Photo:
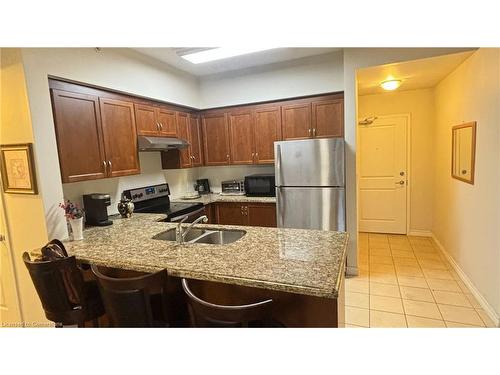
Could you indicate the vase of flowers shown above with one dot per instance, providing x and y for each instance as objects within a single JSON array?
[{"x": 74, "y": 215}]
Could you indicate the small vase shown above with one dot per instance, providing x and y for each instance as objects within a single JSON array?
[{"x": 77, "y": 228}]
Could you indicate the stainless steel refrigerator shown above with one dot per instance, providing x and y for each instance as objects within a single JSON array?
[{"x": 310, "y": 184}]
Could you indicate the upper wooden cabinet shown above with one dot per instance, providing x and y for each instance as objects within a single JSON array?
[
  {"x": 195, "y": 141},
  {"x": 145, "y": 118},
  {"x": 241, "y": 137},
  {"x": 319, "y": 117},
  {"x": 167, "y": 122},
  {"x": 215, "y": 138},
  {"x": 296, "y": 121},
  {"x": 267, "y": 130},
  {"x": 120, "y": 137},
  {"x": 328, "y": 118},
  {"x": 79, "y": 136},
  {"x": 155, "y": 121},
  {"x": 183, "y": 133},
  {"x": 96, "y": 137}
]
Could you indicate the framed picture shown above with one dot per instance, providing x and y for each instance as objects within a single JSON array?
[{"x": 18, "y": 169}]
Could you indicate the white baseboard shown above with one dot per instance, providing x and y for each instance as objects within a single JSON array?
[
  {"x": 467, "y": 281},
  {"x": 420, "y": 233}
]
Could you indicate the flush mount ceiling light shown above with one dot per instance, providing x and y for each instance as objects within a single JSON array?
[
  {"x": 205, "y": 55},
  {"x": 390, "y": 84}
]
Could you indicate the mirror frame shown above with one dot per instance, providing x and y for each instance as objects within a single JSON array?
[{"x": 472, "y": 125}]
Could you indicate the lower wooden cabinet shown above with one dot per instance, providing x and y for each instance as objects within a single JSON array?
[{"x": 251, "y": 214}]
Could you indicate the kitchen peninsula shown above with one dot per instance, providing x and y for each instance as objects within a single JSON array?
[{"x": 301, "y": 270}]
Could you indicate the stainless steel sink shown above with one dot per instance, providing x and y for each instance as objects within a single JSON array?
[
  {"x": 221, "y": 237},
  {"x": 169, "y": 235},
  {"x": 205, "y": 235}
]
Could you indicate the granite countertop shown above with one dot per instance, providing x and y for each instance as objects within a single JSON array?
[
  {"x": 291, "y": 260},
  {"x": 217, "y": 197}
]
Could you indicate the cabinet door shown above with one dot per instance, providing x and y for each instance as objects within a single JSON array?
[
  {"x": 79, "y": 136},
  {"x": 231, "y": 214},
  {"x": 267, "y": 130},
  {"x": 145, "y": 119},
  {"x": 195, "y": 137},
  {"x": 167, "y": 120},
  {"x": 183, "y": 133},
  {"x": 120, "y": 137},
  {"x": 241, "y": 143},
  {"x": 296, "y": 121},
  {"x": 328, "y": 118},
  {"x": 215, "y": 139},
  {"x": 261, "y": 214}
]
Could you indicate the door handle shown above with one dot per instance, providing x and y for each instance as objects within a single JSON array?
[
  {"x": 400, "y": 182},
  {"x": 278, "y": 162}
]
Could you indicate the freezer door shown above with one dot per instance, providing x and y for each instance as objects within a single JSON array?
[
  {"x": 311, "y": 208},
  {"x": 310, "y": 162}
]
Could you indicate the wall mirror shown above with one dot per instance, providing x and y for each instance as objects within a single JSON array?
[{"x": 463, "y": 152}]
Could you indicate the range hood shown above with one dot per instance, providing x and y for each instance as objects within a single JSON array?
[{"x": 160, "y": 143}]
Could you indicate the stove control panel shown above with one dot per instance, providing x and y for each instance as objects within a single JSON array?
[{"x": 147, "y": 193}]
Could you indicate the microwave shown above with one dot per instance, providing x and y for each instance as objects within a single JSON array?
[{"x": 260, "y": 185}]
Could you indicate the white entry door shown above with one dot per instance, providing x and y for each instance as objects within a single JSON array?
[
  {"x": 383, "y": 175},
  {"x": 9, "y": 303}
]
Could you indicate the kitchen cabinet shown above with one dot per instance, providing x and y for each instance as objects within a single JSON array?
[
  {"x": 195, "y": 147},
  {"x": 296, "y": 121},
  {"x": 252, "y": 214},
  {"x": 167, "y": 121},
  {"x": 155, "y": 121},
  {"x": 96, "y": 137},
  {"x": 80, "y": 142},
  {"x": 261, "y": 214},
  {"x": 215, "y": 138},
  {"x": 120, "y": 137},
  {"x": 241, "y": 137},
  {"x": 267, "y": 130},
  {"x": 188, "y": 128},
  {"x": 328, "y": 118},
  {"x": 183, "y": 133}
]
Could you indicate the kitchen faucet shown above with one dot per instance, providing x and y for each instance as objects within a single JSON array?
[{"x": 180, "y": 234}]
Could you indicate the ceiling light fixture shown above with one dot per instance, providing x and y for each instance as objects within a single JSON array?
[
  {"x": 218, "y": 53},
  {"x": 390, "y": 84}
]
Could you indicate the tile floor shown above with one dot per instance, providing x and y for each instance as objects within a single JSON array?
[{"x": 405, "y": 281}]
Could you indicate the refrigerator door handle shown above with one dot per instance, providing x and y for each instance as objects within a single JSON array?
[
  {"x": 280, "y": 203},
  {"x": 278, "y": 163}
]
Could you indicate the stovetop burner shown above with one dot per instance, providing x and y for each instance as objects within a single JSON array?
[{"x": 155, "y": 199}]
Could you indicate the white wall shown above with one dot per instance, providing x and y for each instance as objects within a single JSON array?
[
  {"x": 466, "y": 217},
  {"x": 306, "y": 76},
  {"x": 419, "y": 104},
  {"x": 117, "y": 69}
]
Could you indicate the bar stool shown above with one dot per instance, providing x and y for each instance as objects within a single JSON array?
[
  {"x": 206, "y": 314},
  {"x": 66, "y": 298},
  {"x": 134, "y": 301}
]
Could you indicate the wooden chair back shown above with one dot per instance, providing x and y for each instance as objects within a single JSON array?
[
  {"x": 60, "y": 287},
  {"x": 206, "y": 314},
  {"x": 129, "y": 301}
]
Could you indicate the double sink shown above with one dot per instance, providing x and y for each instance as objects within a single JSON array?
[{"x": 205, "y": 235}]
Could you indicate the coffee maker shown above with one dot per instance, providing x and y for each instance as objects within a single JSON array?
[
  {"x": 96, "y": 211},
  {"x": 202, "y": 186}
]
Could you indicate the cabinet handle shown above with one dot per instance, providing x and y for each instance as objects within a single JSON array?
[
  {"x": 109, "y": 164},
  {"x": 104, "y": 163},
  {"x": 310, "y": 130},
  {"x": 314, "y": 132},
  {"x": 157, "y": 126},
  {"x": 161, "y": 126}
]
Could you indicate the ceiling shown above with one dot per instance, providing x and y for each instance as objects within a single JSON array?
[
  {"x": 416, "y": 74},
  {"x": 169, "y": 56}
]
